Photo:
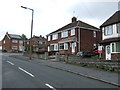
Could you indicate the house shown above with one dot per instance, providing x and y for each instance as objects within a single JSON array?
[
  {"x": 73, "y": 37},
  {"x": 38, "y": 44},
  {"x": 0, "y": 45},
  {"x": 12, "y": 43},
  {"x": 111, "y": 37}
]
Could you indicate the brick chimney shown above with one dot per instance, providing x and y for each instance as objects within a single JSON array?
[{"x": 74, "y": 19}]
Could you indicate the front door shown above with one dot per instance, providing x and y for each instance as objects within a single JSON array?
[
  {"x": 73, "y": 48},
  {"x": 108, "y": 52}
]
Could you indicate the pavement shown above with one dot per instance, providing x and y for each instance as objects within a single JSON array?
[{"x": 97, "y": 74}]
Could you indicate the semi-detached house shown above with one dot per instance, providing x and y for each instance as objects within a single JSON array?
[
  {"x": 73, "y": 37},
  {"x": 111, "y": 37}
]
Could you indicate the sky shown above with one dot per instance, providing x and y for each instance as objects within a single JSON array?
[{"x": 50, "y": 15}]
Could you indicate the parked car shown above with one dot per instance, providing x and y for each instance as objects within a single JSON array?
[{"x": 85, "y": 54}]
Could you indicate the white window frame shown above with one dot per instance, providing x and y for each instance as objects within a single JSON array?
[
  {"x": 55, "y": 47},
  {"x": 20, "y": 42},
  {"x": 48, "y": 38},
  {"x": 61, "y": 45},
  {"x": 64, "y": 34},
  {"x": 115, "y": 49},
  {"x": 54, "y": 36},
  {"x": 14, "y": 47},
  {"x": 94, "y": 33},
  {"x": 65, "y": 46},
  {"x": 72, "y": 32},
  {"x": 108, "y": 30},
  {"x": 14, "y": 41},
  {"x": 118, "y": 28}
]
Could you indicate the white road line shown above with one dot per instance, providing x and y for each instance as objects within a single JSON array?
[
  {"x": 10, "y": 62},
  {"x": 50, "y": 86},
  {"x": 26, "y": 72}
]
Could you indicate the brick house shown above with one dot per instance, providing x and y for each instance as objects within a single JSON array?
[
  {"x": 73, "y": 37},
  {"x": 111, "y": 37},
  {"x": 38, "y": 43},
  {"x": 12, "y": 42}
]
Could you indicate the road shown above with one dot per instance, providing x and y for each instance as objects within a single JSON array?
[{"x": 25, "y": 74}]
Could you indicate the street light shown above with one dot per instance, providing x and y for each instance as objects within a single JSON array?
[{"x": 30, "y": 57}]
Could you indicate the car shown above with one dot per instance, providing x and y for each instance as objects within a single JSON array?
[{"x": 84, "y": 54}]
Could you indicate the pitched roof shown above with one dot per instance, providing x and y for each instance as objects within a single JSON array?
[
  {"x": 113, "y": 19},
  {"x": 14, "y": 36},
  {"x": 76, "y": 23}
]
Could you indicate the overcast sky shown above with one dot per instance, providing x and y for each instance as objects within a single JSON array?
[{"x": 51, "y": 15}]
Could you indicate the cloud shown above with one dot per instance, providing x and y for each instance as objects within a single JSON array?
[{"x": 50, "y": 14}]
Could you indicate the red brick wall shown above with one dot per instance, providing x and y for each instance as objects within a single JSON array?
[
  {"x": 87, "y": 40},
  {"x": 7, "y": 45}
]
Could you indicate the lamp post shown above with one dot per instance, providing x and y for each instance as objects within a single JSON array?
[{"x": 30, "y": 53}]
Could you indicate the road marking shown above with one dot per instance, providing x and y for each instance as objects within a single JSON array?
[
  {"x": 50, "y": 86},
  {"x": 26, "y": 72},
  {"x": 10, "y": 62}
]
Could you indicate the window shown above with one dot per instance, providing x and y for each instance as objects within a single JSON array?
[
  {"x": 72, "y": 32},
  {"x": 108, "y": 30},
  {"x": 94, "y": 33},
  {"x": 15, "y": 41},
  {"x": 54, "y": 36},
  {"x": 48, "y": 38},
  {"x": 14, "y": 47},
  {"x": 63, "y": 46},
  {"x": 118, "y": 26},
  {"x": 4, "y": 42},
  {"x": 116, "y": 47},
  {"x": 64, "y": 34},
  {"x": 56, "y": 47},
  {"x": 40, "y": 42},
  {"x": 21, "y": 42}
]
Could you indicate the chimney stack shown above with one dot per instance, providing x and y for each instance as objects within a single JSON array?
[{"x": 74, "y": 19}]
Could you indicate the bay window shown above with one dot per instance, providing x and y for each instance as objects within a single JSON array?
[
  {"x": 108, "y": 30},
  {"x": 116, "y": 47},
  {"x": 118, "y": 27}
]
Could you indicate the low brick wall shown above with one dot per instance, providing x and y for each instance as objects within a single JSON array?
[
  {"x": 103, "y": 64},
  {"x": 39, "y": 56}
]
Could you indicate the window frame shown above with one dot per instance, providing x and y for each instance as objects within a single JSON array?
[
  {"x": 72, "y": 32},
  {"x": 49, "y": 38},
  {"x": 14, "y": 41},
  {"x": 106, "y": 30},
  {"x": 94, "y": 34},
  {"x": 64, "y": 34},
  {"x": 114, "y": 45},
  {"x": 54, "y": 36},
  {"x": 118, "y": 28}
]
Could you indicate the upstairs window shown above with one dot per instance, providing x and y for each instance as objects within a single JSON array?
[
  {"x": 118, "y": 26},
  {"x": 64, "y": 34},
  {"x": 72, "y": 32},
  {"x": 14, "y": 41},
  {"x": 108, "y": 30},
  {"x": 54, "y": 36},
  {"x": 21, "y": 42},
  {"x": 48, "y": 38},
  {"x": 94, "y": 33}
]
